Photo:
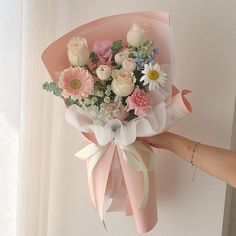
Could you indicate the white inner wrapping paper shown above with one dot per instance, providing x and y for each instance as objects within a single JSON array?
[{"x": 161, "y": 117}]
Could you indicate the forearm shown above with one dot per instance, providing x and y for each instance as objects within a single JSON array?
[{"x": 217, "y": 162}]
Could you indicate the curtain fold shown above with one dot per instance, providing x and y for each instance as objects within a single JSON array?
[
  {"x": 37, "y": 110},
  {"x": 10, "y": 58}
]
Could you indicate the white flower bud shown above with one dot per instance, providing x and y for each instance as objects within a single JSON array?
[
  {"x": 77, "y": 51},
  {"x": 103, "y": 72},
  {"x": 137, "y": 35}
]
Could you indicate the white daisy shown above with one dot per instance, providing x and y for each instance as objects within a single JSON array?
[{"x": 154, "y": 76}]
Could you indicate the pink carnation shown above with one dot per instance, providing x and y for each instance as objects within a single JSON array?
[
  {"x": 75, "y": 82},
  {"x": 139, "y": 101},
  {"x": 103, "y": 50}
]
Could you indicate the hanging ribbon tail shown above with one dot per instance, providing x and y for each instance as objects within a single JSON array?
[
  {"x": 100, "y": 177},
  {"x": 128, "y": 208},
  {"x": 116, "y": 192},
  {"x": 99, "y": 159},
  {"x": 104, "y": 225},
  {"x": 140, "y": 185}
]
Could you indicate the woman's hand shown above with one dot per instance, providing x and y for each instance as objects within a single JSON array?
[
  {"x": 159, "y": 141},
  {"x": 215, "y": 161}
]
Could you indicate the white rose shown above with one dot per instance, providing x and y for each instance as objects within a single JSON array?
[
  {"x": 120, "y": 57},
  {"x": 77, "y": 51},
  {"x": 123, "y": 82},
  {"x": 129, "y": 64},
  {"x": 103, "y": 72},
  {"x": 137, "y": 35}
]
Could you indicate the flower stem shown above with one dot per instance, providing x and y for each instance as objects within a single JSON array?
[{"x": 87, "y": 67}]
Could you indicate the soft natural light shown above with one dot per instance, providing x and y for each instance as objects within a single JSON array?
[
  {"x": 8, "y": 176},
  {"x": 10, "y": 47}
]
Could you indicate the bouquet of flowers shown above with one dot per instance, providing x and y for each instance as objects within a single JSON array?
[{"x": 115, "y": 75}]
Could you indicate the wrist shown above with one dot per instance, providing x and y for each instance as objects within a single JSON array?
[{"x": 166, "y": 141}]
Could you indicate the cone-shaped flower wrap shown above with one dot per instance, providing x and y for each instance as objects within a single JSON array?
[{"x": 115, "y": 74}]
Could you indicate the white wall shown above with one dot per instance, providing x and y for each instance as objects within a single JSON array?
[{"x": 205, "y": 63}]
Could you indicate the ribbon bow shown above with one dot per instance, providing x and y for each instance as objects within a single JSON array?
[{"x": 131, "y": 154}]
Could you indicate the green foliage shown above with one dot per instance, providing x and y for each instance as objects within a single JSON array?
[
  {"x": 91, "y": 71},
  {"x": 113, "y": 63},
  {"x": 131, "y": 55},
  {"x": 52, "y": 87},
  {"x": 130, "y": 116},
  {"x": 116, "y": 46},
  {"x": 93, "y": 57},
  {"x": 138, "y": 75},
  {"x": 69, "y": 101}
]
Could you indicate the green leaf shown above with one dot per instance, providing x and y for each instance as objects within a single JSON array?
[
  {"x": 52, "y": 87},
  {"x": 131, "y": 55},
  {"x": 116, "y": 66},
  {"x": 57, "y": 91},
  {"x": 116, "y": 46},
  {"x": 69, "y": 101},
  {"x": 130, "y": 116},
  {"x": 45, "y": 85},
  {"x": 93, "y": 57},
  {"x": 87, "y": 68},
  {"x": 114, "y": 63}
]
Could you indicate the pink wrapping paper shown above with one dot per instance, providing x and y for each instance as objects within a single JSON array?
[{"x": 55, "y": 55}]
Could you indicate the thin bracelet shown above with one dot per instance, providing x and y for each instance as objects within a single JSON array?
[{"x": 194, "y": 149}]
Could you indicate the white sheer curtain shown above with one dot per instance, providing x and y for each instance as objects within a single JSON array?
[
  {"x": 10, "y": 57},
  {"x": 37, "y": 109}
]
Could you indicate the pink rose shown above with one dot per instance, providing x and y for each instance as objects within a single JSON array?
[
  {"x": 139, "y": 101},
  {"x": 103, "y": 50}
]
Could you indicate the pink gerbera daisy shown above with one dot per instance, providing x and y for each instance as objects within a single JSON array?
[{"x": 76, "y": 82}]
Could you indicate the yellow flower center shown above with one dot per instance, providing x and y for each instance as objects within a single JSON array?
[
  {"x": 153, "y": 75},
  {"x": 75, "y": 84}
]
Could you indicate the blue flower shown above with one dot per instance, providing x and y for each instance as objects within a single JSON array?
[{"x": 145, "y": 54}]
